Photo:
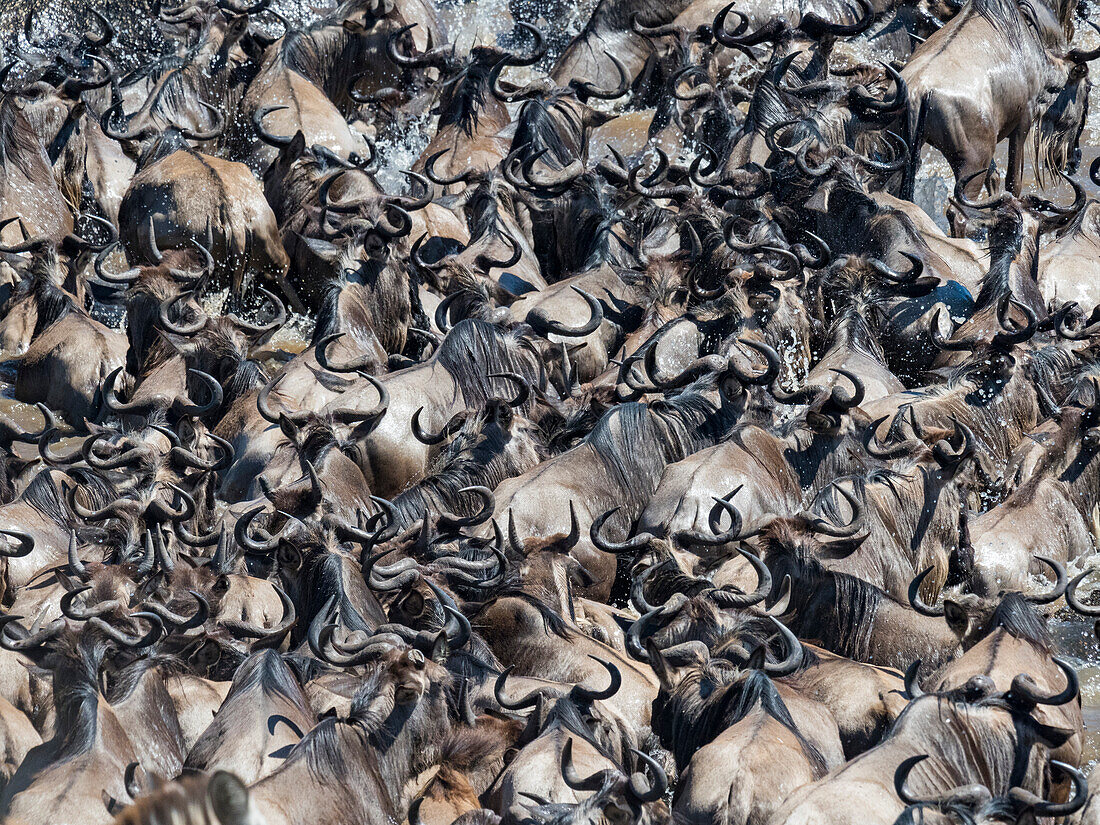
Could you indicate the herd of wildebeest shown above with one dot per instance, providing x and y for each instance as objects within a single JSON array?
[{"x": 708, "y": 481}]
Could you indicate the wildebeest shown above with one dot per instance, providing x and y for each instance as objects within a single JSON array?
[{"x": 491, "y": 428}]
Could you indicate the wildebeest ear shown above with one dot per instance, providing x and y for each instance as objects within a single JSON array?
[
  {"x": 67, "y": 581},
  {"x": 956, "y": 617},
  {"x": 238, "y": 25},
  {"x": 757, "y": 658},
  {"x": 221, "y": 584},
  {"x": 113, "y": 806},
  {"x": 441, "y": 649},
  {"x": 322, "y": 249},
  {"x": 289, "y": 556},
  {"x": 541, "y": 713},
  {"x": 819, "y": 200},
  {"x": 503, "y": 415},
  {"x": 288, "y": 428},
  {"x": 229, "y": 798},
  {"x": 1051, "y": 736},
  {"x": 297, "y": 145},
  {"x": 597, "y": 118},
  {"x": 672, "y": 664}
]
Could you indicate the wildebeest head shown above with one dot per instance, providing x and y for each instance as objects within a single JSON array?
[
  {"x": 616, "y": 797},
  {"x": 195, "y": 797},
  {"x": 1063, "y": 120},
  {"x": 583, "y": 711},
  {"x": 973, "y": 617},
  {"x": 812, "y": 34},
  {"x": 1014, "y": 745},
  {"x": 694, "y": 106},
  {"x": 294, "y": 179},
  {"x": 466, "y": 81},
  {"x": 701, "y": 696},
  {"x": 976, "y": 803},
  {"x": 679, "y": 608}
]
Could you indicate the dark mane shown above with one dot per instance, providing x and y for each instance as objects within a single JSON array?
[
  {"x": 322, "y": 580},
  {"x": 768, "y": 106},
  {"x": 328, "y": 318},
  {"x": 483, "y": 202},
  {"x": 537, "y": 129},
  {"x": 590, "y": 214},
  {"x": 738, "y": 693},
  {"x": 474, "y": 349},
  {"x": 322, "y": 750},
  {"x": 267, "y": 671},
  {"x": 51, "y": 302},
  {"x": 1060, "y": 126},
  {"x": 1051, "y": 369},
  {"x": 129, "y": 678},
  {"x": 565, "y": 713},
  {"x": 1017, "y": 616},
  {"x": 636, "y": 441},
  {"x": 309, "y": 51},
  {"x": 325, "y": 53},
  {"x": 19, "y": 146},
  {"x": 1005, "y": 17},
  {"x": 42, "y": 494},
  {"x": 76, "y": 698},
  {"x": 1012, "y": 252},
  {"x": 248, "y": 375},
  {"x": 476, "y": 456},
  {"x": 817, "y": 591},
  {"x": 463, "y": 94},
  {"x": 76, "y": 702},
  {"x": 167, "y": 143}
]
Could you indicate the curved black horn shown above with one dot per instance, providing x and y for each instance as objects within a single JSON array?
[
  {"x": 902, "y": 773},
  {"x": 648, "y": 792},
  {"x": 523, "y": 391},
  {"x": 915, "y": 600},
  {"x": 258, "y": 124},
  {"x": 628, "y": 546},
  {"x": 570, "y": 775},
  {"x": 538, "y": 318},
  {"x": 587, "y": 695},
  {"x": 1024, "y": 691},
  {"x": 793, "y": 660},
  {"x": 1060, "y": 583},
  {"x": 499, "y": 685},
  {"x": 727, "y": 598},
  {"x": 1074, "y": 602},
  {"x": 585, "y": 89}
]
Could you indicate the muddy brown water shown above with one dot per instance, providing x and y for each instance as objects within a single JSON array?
[{"x": 1076, "y": 641}]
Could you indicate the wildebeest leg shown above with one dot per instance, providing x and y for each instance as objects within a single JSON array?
[{"x": 1016, "y": 142}]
